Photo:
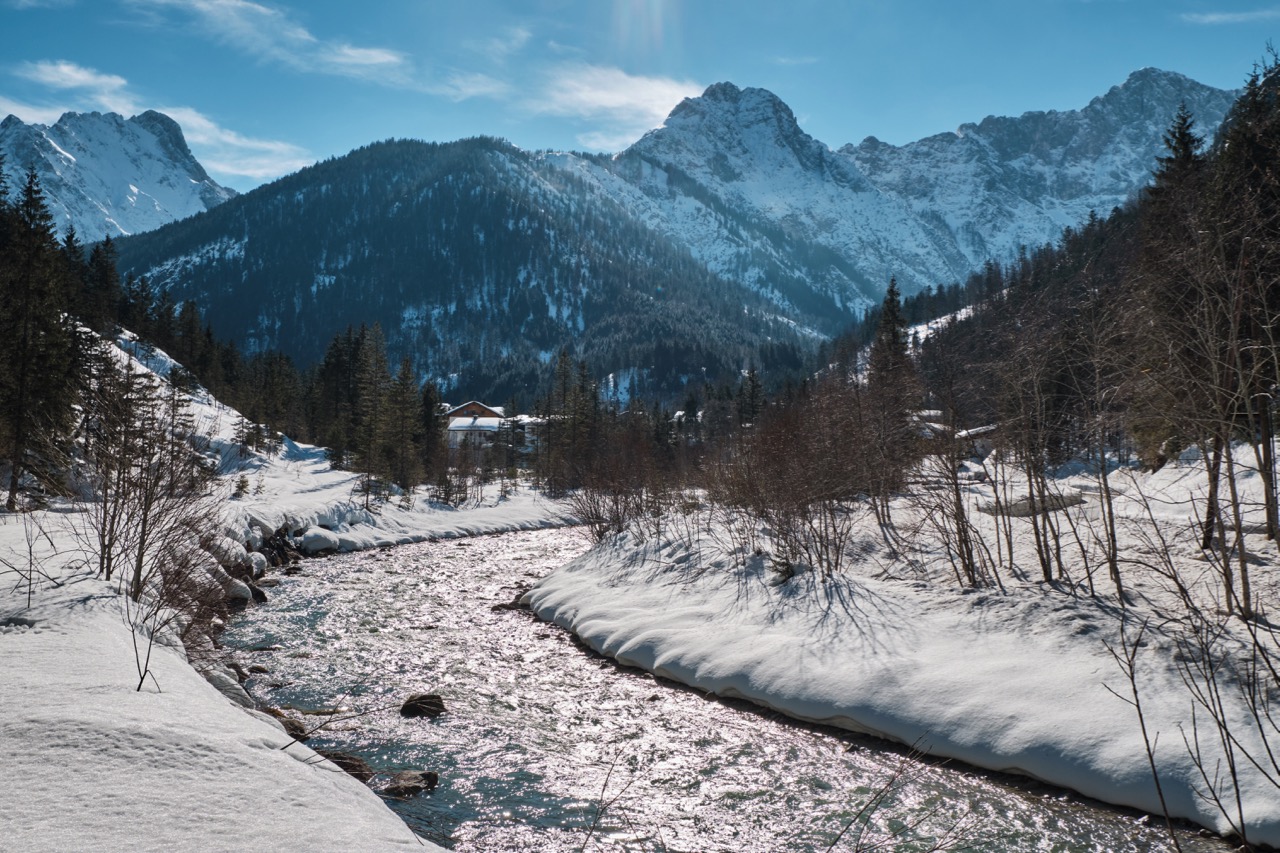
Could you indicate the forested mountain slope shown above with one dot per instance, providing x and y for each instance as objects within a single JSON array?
[
  {"x": 472, "y": 257},
  {"x": 725, "y": 238}
]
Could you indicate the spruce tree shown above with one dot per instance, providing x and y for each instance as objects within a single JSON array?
[
  {"x": 889, "y": 354},
  {"x": 104, "y": 295},
  {"x": 38, "y": 375},
  {"x": 430, "y": 434},
  {"x": 400, "y": 432},
  {"x": 372, "y": 380},
  {"x": 893, "y": 394}
]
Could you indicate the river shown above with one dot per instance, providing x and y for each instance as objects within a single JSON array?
[{"x": 547, "y": 746}]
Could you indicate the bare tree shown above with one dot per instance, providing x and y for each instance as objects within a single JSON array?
[{"x": 148, "y": 512}]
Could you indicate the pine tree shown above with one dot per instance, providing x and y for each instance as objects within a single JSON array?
[
  {"x": 372, "y": 381},
  {"x": 1183, "y": 146},
  {"x": 104, "y": 295},
  {"x": 430, "y": 434},
  {"x": 750, "y": 398},
  {"x": 37, "y": 356},
  {"x": 400, "y": 434},
  {"x": 893, "y": 395},
  {"x": 889, "y": 354}
]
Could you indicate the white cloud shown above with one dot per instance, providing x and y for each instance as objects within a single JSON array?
[
  {"x": 30, "y": 113},
  {"x": 270, "y": 34},
  {"x": 1231, "y": 17},
  {"x": 622, "y": 105},
  {"x": 221, "y": 150},
  {"x": 603, "y": 140},
  {"x": 106, "y": 91},
  {"x": 38, "y": 4},
  {"x": 225, "y": 151}
]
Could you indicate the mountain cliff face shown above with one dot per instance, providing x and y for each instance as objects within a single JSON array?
[
  {"x": 110, "y": 176},
  {"x": 1002, "y": 183},
  {"x": 726, "y": 237},
  {"x": 731, "y": 176}
]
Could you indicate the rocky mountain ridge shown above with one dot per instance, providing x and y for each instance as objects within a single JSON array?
[
  {"x": 106, "y": 175},
  {"x": 478, "y": 258}
]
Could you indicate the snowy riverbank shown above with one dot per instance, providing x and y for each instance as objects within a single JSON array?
[
  {"x": 1017, "y": 680},
  {"x": 94, "y": 764}
]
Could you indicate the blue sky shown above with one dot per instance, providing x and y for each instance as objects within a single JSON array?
[{"x": 263, "y": 87}]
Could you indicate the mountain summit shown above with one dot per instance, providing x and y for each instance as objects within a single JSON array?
[
  {"x": 1006, "y": 182},
  {"x": 110, "y": 176},
  {"x": 724, "y": 238}
]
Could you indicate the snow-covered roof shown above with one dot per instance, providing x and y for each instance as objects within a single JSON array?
[
  {"x": 500, "y": 411},
  {"x": 475, "y": 425},
  {"x": 977, "y": 431}
]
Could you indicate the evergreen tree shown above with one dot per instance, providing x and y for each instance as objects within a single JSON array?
[
  {"x": 37, "y": 364},
  {"x": 889, "y": 355},
  {"x": 750, "y": 398},
  {"x": 892, "y": 396},
  {"x": 104, "y": 295},
  {"x": 402, "y": 428},
  {"x": 372, "y": 381},
  {"x": 430, "y": 434}
]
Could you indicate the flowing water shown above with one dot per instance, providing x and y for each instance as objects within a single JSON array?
[{"x": 547, "y": 746}]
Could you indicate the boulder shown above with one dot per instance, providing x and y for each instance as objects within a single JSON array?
[
  {"x": 227, "y": 551},
  {"x": 422, "y": 705},
  {"x": 353, "y": 764},
  {"x": 235, "y": 590},
  {"x": 296, "y": 729},
  {"x": 410, "y": 782}
]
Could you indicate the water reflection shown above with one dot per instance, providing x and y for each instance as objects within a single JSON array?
[{"x": 546, "y": 745}]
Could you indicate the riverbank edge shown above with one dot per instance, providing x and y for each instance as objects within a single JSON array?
[
  {"x": 606, "y": 598},
  {"x": 74, "y": 640}
]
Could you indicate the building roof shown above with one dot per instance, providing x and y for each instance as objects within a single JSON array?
[
  {"x": 496, "y": 411},
  {"x": 475, "y": 424}
]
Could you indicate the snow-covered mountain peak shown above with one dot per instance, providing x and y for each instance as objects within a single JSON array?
[
  {"x": 1010, "y": 181},
  {"x": 733, "y": 130},
  {"x": 107, "y": 175}
]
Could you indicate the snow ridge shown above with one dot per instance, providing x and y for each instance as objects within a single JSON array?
[{"x": 106, "y": 175}]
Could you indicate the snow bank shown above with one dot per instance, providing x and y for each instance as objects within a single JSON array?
[
  {"x": 93, "y": 764},
  {"x": 296, "y": 489},
  {"x": 1014, "y": 681}
]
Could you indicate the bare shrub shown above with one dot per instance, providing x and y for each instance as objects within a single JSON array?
[{"x": 146, "y": 501}]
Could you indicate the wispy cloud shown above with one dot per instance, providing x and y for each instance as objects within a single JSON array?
[
  {"x": 227, "y": 152},
  {"x": 462, "y": 85},
  {"x": 499, "y": 48},
  {"x": 106, "y": 91},
  {"x": 1211, "y": 18},
  {"x": 37, "y": 4},
  {"x": 221, "y": 150},
  {"x": 270, "y": 34},
  {"x": 795, "y": 60},
  {"x": 30, "y": 113},
  {"x": 621, "y": 105}
]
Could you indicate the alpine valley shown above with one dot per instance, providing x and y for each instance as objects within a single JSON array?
[{"x": 724, "y": 239}]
